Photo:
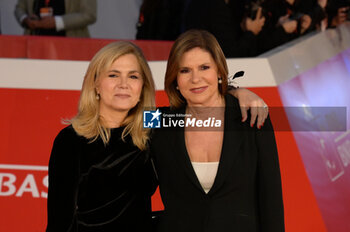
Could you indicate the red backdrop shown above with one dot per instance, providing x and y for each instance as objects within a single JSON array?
[{"x": 31, "y": 118}]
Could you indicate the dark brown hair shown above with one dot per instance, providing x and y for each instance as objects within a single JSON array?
[{"x": 185, "y": 42}]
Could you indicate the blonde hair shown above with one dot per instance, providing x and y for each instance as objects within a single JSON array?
[
  {"x": 88, "y": 122},
  {"x": 185, "y": 42}
]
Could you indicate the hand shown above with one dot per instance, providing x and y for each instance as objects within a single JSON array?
[
  {"x": 47, "y": 22},
  {"x": 290, "y": 26},
  {"x": 31, "y": 22},
  {"x": 341, "y": 16},
  {"x": 283, "y": 19},
  {"x": 255, "y": 25},
  {"x": 305, "y": 23},
  {"x": 249, "y": 100},
  {"x": 324, "y": 24}
]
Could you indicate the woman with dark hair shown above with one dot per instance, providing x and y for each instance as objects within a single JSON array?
[{"x": 221, "y": 177}]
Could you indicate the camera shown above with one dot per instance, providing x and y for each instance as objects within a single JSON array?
[
  {"x": 296, "y": 16},
  {"x": 343, "y": 3}
]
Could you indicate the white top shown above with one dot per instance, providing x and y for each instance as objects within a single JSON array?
[{"x": 206, "y": 173}]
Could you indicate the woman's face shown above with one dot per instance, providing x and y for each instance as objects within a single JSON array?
[
  {"x": 120, "y": 86},
  {"x": 197, "y": 78}
]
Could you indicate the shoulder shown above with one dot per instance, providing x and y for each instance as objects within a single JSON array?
[
  {"x": 232, "y": 108},
  {"x": 67, "y": 133},
  {"x": 231, "y": 100},
  {"x": 66, "y": 146},
  {"x": 67, "y": 138}
]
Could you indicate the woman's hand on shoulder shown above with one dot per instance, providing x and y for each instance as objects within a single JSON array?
[{"x": 250, "y": 101}]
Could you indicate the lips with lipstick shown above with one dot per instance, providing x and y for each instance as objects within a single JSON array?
[
  {"x": 122, "y": 95},
  {"x": 199, "y": 89}
]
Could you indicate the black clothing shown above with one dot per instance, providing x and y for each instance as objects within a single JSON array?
[
  {"x": 159, "y": 20},
  {"x": 93, "y": 187},
  {"x": 273, "y": 34},
  {"x": 58, "y": 7},
  {"x": 167, "y": 19},
  {"x": 316, "y": 13},
  {"x": 332, "y": 10},
  {"x": 224, "y": 22},
  {"x": 246, "y": 194}
]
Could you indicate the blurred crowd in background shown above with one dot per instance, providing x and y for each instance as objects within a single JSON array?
[{"x": 244, "y": 28}]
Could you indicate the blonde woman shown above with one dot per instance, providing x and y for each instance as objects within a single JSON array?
[{"x": 100, "y": 174}]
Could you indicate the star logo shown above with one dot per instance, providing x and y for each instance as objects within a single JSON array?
[
  {"x": 151, "y": 118},
  {"x": 156, "y": 115}
]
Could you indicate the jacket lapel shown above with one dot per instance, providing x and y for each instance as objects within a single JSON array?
[
  {"x": 181, "y": 155},
  {"x": 231, "y": 143}
]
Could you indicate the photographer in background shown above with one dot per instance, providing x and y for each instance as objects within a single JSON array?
[
  {"x": 288, "y": 19},
  {"x": 56, "y": 17},
  {"x": 235, "y": 31},
  {"x": 225, "y": 19},
  {"x": 338, "y": 12},
  {"x": 243, "y": 28}
]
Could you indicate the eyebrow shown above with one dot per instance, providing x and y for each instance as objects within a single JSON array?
[
  {"x": 206, "y": 63},
  {"x": 130, "y": 72}
]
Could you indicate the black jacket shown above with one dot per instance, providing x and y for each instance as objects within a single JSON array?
[{"x": 246, "y": 195}]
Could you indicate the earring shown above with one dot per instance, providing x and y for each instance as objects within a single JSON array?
[
  {"x": 177, "y": 87},
  {"x": 220, "y": 80},
  {"x": 97, "y": 94}
]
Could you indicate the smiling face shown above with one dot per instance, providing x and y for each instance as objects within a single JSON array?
[
  {"x": 120, "y": 86},
  {"x": 197, "y": 78}
]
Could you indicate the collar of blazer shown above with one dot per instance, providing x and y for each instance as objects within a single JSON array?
[{"x": 231, "y": 143}]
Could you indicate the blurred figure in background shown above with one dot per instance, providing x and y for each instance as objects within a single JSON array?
[
  {"x": 159, "y": 20},
  {"x": 243, "y": 28},
  {"x": 56, "y": 17},
  {"x": 288, "y": 19},
  {"x": 166, "y": 20},
  {"x": 338, "y": 12},
  {"x": 226, "y": 20},
  {"x": 236, "y": 24}
]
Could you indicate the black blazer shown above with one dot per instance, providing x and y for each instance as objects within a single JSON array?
[{"x": 246, "y": 195}]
